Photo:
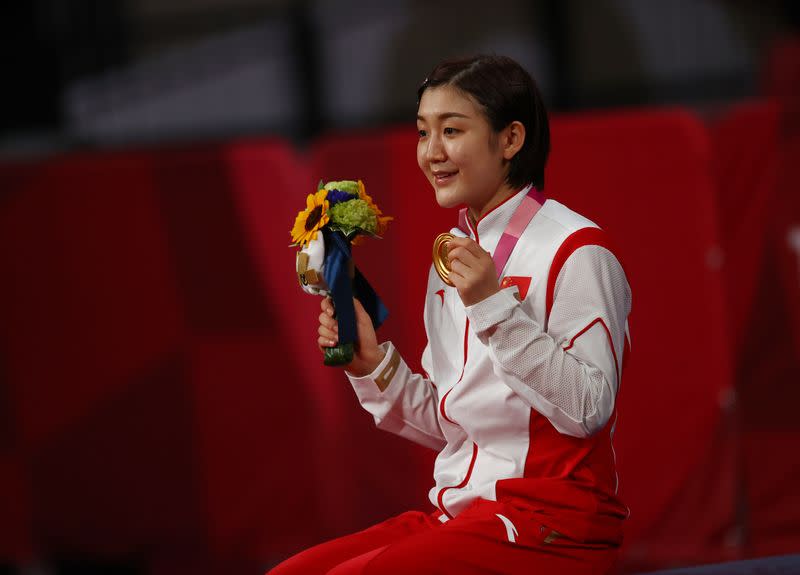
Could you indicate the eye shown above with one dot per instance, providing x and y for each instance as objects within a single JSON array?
[
  {"x": 422, "y": 133},
  {"x": 449, "y": 131}
]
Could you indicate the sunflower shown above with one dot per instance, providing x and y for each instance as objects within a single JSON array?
[
  {"x": 383, "y": 221},
  {"x": 310, "y": 220}
]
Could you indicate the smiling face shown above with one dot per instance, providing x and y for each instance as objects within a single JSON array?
[{"x": 459, "y": 153}]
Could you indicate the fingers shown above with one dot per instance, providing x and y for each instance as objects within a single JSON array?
[
  {"x": 328, "y": 331},
  {"x": 468, "y": 252},
  {"x": 469, "y": 245},
  {"x": 458, "y": 269},
  {"x": 472, "y": 271},
  {"x": 327, "y": 337},
  {"x": 462, "y": 262},
  {"x": 327, "y": 306},
  {"x": 329, "y": 322},
  {"x": 323, "y": 342},
  {"x": 328, "y": 325},
  {"x": 461, "y": 256}
]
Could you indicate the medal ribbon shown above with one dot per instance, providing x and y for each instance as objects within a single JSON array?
[{"x": 520, "y": 219}]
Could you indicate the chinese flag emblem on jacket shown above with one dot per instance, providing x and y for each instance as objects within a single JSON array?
[{"x": 522, "y": 283}]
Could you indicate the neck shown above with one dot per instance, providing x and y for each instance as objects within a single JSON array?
[{"x": 476, "y": 212}]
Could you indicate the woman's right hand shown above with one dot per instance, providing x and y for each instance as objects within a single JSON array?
[{"x": 367, "y": 354}]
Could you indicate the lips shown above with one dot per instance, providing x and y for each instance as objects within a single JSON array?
[{"x": 444, "y": 178}]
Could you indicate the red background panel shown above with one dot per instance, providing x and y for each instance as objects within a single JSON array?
[
  {"x": 255, "y": 444},
  {"x": 122, "y": 479},
  {"x": 91, "y": 294}
]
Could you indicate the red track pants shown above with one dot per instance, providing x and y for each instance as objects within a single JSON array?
[{"x": 487, "y": 537}]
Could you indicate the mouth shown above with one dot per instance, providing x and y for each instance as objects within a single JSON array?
[{"x": 442, "y": 178}]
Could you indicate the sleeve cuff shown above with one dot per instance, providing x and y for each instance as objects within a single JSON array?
[
  {"x": 382, "y": 375},
  {"x": 489, "y": 312}
]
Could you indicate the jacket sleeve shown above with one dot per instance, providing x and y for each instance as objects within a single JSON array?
[
  {"x": 569, "y": 373},
  {"x": 400, "y": 401}
]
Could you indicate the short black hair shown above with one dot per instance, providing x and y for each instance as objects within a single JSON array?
[{"x": 506, "y": 92}]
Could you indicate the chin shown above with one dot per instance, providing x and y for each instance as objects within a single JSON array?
[{"x": 448, "y": 198}]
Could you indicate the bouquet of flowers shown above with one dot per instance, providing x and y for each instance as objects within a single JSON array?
[{"x": 336, "y": 217}]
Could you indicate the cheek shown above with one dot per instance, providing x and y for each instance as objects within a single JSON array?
[
  {"x": 458, "y": 154},
  {"x": 483, "y": 161},
  {"x": 466, "y": 158}
]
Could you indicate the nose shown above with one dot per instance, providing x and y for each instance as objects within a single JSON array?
[{"x": 435, "y": 151}]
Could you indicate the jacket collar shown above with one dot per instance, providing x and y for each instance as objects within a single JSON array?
[{"x": 491, "y": 226}]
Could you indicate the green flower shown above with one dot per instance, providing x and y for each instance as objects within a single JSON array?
[{"x": 353, "y": 216}]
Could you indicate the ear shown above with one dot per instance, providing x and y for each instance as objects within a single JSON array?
[{"x": 512, "y": 139}]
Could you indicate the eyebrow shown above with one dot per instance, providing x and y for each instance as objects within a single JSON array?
[{"x": 445, "y": 116}]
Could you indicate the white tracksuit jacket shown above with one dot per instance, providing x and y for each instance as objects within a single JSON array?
[{"x": 519, "y": 391}]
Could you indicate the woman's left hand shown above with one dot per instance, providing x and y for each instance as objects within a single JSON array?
[{"x": 472, "y": 271}]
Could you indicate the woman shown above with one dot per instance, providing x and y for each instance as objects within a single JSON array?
[{"x": 523, "y": 360}]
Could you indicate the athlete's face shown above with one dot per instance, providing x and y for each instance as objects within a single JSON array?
[{"x": 458, "y": 151}]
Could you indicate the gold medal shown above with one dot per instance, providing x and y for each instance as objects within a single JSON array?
[{"x": 440, "y": 261}]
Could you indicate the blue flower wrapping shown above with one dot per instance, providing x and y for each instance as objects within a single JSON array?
[{"x": 343, "y": 289}]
